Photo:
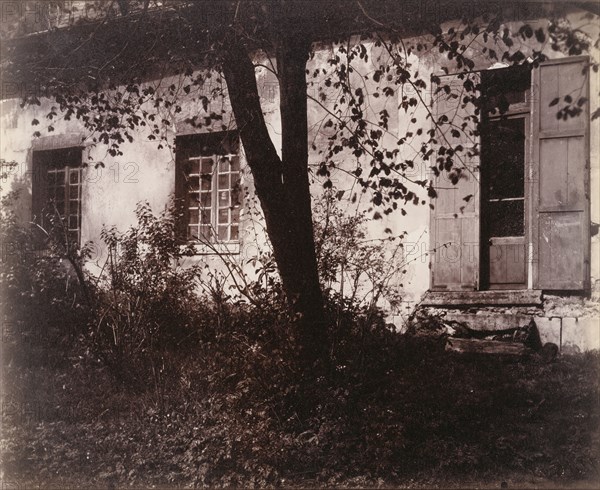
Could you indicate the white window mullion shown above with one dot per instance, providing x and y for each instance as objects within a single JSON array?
[{"x": 214, "y": 220}]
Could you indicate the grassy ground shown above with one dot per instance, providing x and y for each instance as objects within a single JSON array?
[{"x": 412, "y": 416}]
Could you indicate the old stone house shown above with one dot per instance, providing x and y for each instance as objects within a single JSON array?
[{"x": 524, "y": 244}]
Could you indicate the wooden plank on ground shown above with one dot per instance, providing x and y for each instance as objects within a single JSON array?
[{"x": 495, "y": 347}]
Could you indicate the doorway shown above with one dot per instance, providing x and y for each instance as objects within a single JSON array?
[{"x": 503, "y": 202}]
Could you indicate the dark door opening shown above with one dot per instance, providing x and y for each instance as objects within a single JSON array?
[
  {"x": 504, "y": 167},
  {"x": 503, "y": 203}
]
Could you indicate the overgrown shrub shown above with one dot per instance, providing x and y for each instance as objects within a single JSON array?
[
  {"x": 147, "y": 301},
  {"x": 363, "y": 269},
  {"x": 151, "y": 305},
  {"x": 221, "y": 401},
  {"x": 43, "y": 288}
]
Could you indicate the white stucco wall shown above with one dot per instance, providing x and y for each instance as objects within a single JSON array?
[{"x": 144, "y": 172}]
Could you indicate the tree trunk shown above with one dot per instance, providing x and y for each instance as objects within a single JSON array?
[{"x": 282, "y": 184}]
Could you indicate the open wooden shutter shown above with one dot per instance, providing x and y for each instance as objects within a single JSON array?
[
  {"x": 39, "y": 186},
  {"x": 455, "y": 217},
  {"x": 561, "y": 176},
  {"x": 182, "y": 153}
]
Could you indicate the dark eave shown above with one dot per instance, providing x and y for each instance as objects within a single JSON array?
[{"x": 145, "y": 44}]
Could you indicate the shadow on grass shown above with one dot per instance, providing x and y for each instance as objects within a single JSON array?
[{"x": 402, "y": 414}]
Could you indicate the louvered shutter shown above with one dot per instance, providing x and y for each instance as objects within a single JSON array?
[
  {"x": 455, "y": 220},
  {"x": 560, "y": 176}
]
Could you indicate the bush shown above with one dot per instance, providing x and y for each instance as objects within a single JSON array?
[
  {"x": 221, "y": 400},
  {"x": 149, "y": 306},
  {"x": 360, "y": 268},
  {"x": 44, "y": 291},
  {"x": 147, "y": 301}
]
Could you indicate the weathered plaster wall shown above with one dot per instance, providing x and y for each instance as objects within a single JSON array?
[
  {"x": 145, "y": 172},
  {"x": 111, "y": 191}
]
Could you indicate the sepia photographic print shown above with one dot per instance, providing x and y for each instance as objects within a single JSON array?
[{"x": 299, "y": 244}]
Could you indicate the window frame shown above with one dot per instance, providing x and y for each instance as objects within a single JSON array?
[
  {"x": 191, "y": 149},
  {"x": 484, "y": 263},
  {"x": 49, "y": 161},
  {"x": 515, "y": 110}
]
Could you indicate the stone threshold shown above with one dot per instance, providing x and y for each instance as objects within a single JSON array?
[{"x": 505, "y": 297}]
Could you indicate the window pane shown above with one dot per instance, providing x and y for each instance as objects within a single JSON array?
[
  {"x": 505, "y": 218},
  {"x": 73, "y": 222},
  {"x": 205, "y": 215},
  {"x": 193, "y": 199},
  {"x": 60, "y": 173},
  {"x": 223, "y": 233},
  {"x": 206, "y": 233},
  {"x": 224, "y": 198},
  {"x": 205, "y": 199},
  {"x": 224, "y": 165},
  {"x": 193, "y": 167},
  {"x": 194, "y": 183},
  {"x": 504, "y": 87},
  {"x": 58, "y": 190},
  {"x": 206, "y": 182},
  {"x": 235, "y": 215},
  {"x": 504, "y": 158},
  {"x": 210, "y": 200},
  {"x": 74, "y": 177},
  {"x": 236, "y": 191},
  {"x": 235, "y": 163},
  {"x": 223, "y": 182},
  {"x": 193, "y": 232},
  {"x": 223, "y": 216},
  {"x": 207, "y": 166},
  {"x": 234, "y": 232}
]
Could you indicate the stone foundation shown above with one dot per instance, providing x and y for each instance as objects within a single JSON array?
[{"x": 570, "y": 322}]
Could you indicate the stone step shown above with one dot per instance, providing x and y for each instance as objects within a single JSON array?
[
  {"x": 489, "y": 321},
  {"x": 457, "y": 299},
  {"x": 550, "y": 329}
]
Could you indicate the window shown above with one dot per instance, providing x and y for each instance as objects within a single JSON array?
[
  {"x": 57, "y": 179},
  {"x": 526, "y": 222},
  {"x": 208, "y": 187}
]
